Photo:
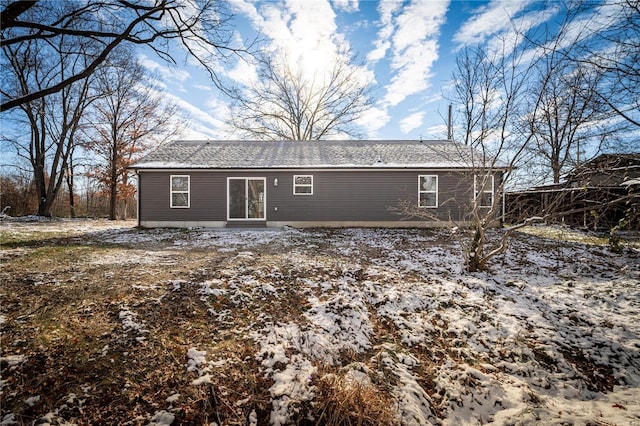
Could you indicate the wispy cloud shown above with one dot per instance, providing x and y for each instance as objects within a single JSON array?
[
  {"x": 346, "y": 5},
  {"x": 593, "y": 21},
  {"x": 167, "y": 73},
  {"x": 489, "y": 20},
  {"x": 411, "y": 122},
  {"x": 373, "y": 120},
  {"x": 386, "y": 9},
  {"x": 202, "y": 124},
  {"x": 304, "y": 32},
  {"x": 203, "y": 87},
  {"x": 415, "y": 49}
]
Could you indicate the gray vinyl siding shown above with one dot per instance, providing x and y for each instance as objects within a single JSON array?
[
  {"x": 207, "y": 197},
  {"x": 360, "y": 195}
]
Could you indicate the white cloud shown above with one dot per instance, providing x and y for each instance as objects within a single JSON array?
[
  {"x": 491, "y": 19},
  {"x": 165, "y": 72},
  {"x": 346, "y": 5},
  {"x": 411, "y": 122},
  {"x": 415, "y": 49},
  {"x": 373, "y": 120},
  {"x": 302, "y": 33},
  {"x": 203, "y": 87},
  {"x": 202, "y": 124},
  {"x": 504, "y": 43},
  {"x": 244, "y": 72},
  {"x": 597, "y": 19},
  {"x": 246, "y": 8},
  {"x": 386, "y": 9},
  {"x": 436, "y": 131}
]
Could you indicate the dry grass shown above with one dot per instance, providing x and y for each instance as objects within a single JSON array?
[
  {"x": 565, "y": 234},
  {"x": 62, "y": 301},
  {"x": 62, "y": 297},
  {"x": 349, "y": 401}
]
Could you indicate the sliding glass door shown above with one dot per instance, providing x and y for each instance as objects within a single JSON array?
[{"x": 246, "y": 198}]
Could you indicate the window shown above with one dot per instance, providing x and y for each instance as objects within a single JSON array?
[
  {"x": 483, "y": 190},
  {"x": 428, "y": 191},
  {"x": 180, "y": 186},
  {"x": 303, "y": 185}
]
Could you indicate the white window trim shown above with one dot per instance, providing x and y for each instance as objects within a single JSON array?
[
  {"x": 302, "y": 185},
  {"x": 422, "y": 191},
  {"x": 475, "y": 190},
  {"x": 246, "y": 207},
  {"x": 188, "y": 192}
]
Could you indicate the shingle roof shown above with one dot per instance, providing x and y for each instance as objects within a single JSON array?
[{"x": 310, "y": 154}]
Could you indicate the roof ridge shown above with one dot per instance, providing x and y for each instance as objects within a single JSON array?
[{"x": 343, "y": 153}]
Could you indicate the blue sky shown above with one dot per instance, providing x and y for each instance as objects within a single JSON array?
[{"x": 408, "y": 51}]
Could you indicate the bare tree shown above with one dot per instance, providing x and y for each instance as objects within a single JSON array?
[
  {"x": 491, "y": 87},
  {"x": 573, "y": 117},
  {"x": 199, "y": 25},
  {"x": 614, "y": 53},
  {"x": 570, "y": 118},
  {"x": 52, "y": 121},
  {"x": 474, "y": 90},
  {"x": 536, "y": 97},
  {"x": 129, "y": 117},
  {"x": 284, "y": 104},
  {"x": 498, "y": 135}
]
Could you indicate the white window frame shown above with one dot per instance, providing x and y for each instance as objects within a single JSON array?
[
  {"x": 423, "y": 191},
  {"x": 302, "y": 185},
  {"x": 172, "y": 191},
  {"x": 476, "y": 191}
]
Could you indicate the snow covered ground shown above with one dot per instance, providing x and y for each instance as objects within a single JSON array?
[{"x": 551, "y": 335}]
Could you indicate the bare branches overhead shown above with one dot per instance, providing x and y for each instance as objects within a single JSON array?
[
  {"x": 289, "y": 104},
  {"x": 200, "y": 26}
]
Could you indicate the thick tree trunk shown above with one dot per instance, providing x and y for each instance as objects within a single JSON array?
[
  {"x": 44, "y": 205},
  {"x": 113, "y": 202},
  {"x": 70, "y": 185},
  {"x": 72, "y": 204},
  {"x": 113, "y": 189}
]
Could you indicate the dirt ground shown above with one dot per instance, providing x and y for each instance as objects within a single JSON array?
[{"x": 103, "y": 323}]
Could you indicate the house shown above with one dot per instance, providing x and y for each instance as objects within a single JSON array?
[
  {"x": 597, "y": 194},
  {"x": 311, "y": 184}
]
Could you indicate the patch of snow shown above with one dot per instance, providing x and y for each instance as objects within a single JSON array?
[
  {"x": 130, "y": 324},
  {"x": 415, "y": 405},
  {"x": 173, "y": 398},
  {"x": 8, "y": 419},
  {"x": 162, "y": 418},
  {"x": 196, "y": 360},
  {"x": 202, "y": 380},
  {"x": 253, "y": 418},
  {"x": 342, "y": 320},
  {"x": 548, "y": 337},
  {"x": 31, "y": 401},
  {"x": 12, "y": 360},
  {"x": 290, "y": 389}
]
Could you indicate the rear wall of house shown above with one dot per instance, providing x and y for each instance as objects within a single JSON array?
[{"x": 338, "y": 196}]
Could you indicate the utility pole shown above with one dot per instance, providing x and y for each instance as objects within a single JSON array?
[{"x": 449, "y": 125}]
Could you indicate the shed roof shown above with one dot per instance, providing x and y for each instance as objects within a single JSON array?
[{"x": 330, "y": 154}]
